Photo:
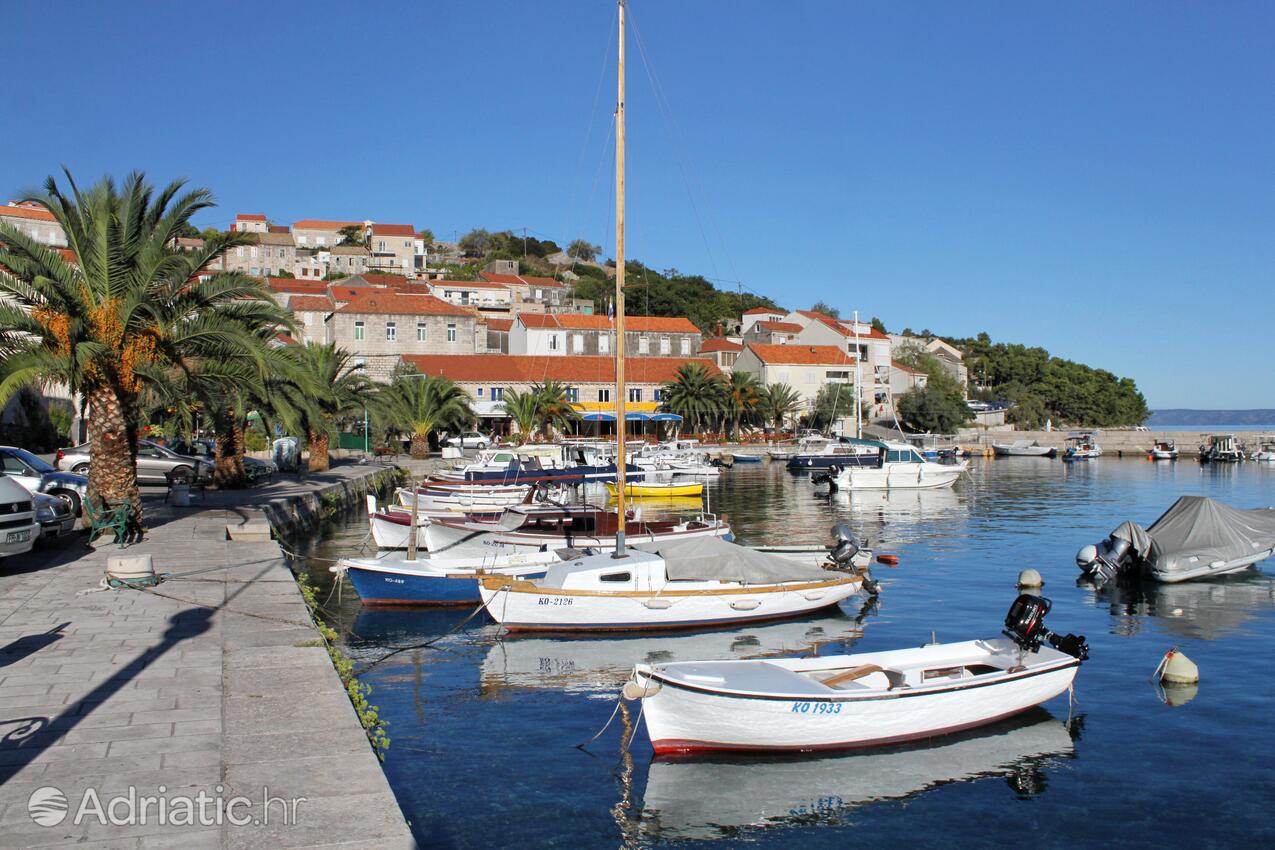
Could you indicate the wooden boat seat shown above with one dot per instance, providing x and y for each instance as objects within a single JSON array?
[{"x": 852, "y": 674}]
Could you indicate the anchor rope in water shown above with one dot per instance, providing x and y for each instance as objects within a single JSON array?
[
  {"x": 619, "y": 701},
  {"x": 427, "y": 644}
]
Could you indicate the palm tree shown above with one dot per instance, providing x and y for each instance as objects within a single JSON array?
[
  {"x": 742, "y": 396},
  {"x": 553, "y": 409},
  {"x": 524, "y": 409},
  {"x": 693, "y": 394},
  {"x": 127, "y": 313},
  {"x": 333, "y": 387},
  {"x": 778, "y": 402},
  {"x": 427, "y": 403}
]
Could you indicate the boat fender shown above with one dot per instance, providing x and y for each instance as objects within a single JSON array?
[
  {"x": 888, "y": 560},
  {"x": 1177, "y": 669},
  {"x": 745, "y": 604},
  {"x": 634, "y": 690},
  {"x": 658, "y": 604},
  {"x": 1030, "y": 578}
]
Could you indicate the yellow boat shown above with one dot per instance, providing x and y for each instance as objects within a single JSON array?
[{"x": 694, "y": 488}]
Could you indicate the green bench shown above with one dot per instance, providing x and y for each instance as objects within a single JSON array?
[{"x": 108, "y": 515}]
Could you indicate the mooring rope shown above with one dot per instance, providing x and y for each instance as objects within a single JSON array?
[{"x": 427, "y": 644}]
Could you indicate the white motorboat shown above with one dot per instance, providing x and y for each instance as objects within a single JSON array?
[
  {"x": 1266, "y": 452},
  {"x": 667, "y": 585},
  {"x": 857, "y": 700},
  {"x": 1221, "y": 448},
  {"x": 1023, "y": 448},
  {"x": 698, "y": 799},
  {"x": 429, "y": 498},
  {"x": 535, "y": 527},
  {"x": 898, "y": 466},
  {"x": 1164, "y": 450},
  {"x": 1082, "y": 446}
]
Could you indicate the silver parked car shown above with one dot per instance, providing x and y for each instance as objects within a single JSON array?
[
  {"x": 156, "y": 464},
  {"x": 39, "y": 476}
]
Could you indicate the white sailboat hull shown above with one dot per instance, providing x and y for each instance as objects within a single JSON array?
[
  {"x": 526, "y": 607},
  {"x": 696, "y": 708},
  {"x": 468, "y": 538}
]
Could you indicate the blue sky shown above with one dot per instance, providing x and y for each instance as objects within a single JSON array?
[{"x": 1096, "y": 178}]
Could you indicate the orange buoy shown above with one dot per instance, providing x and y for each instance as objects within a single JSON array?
[{"x": 888, "y": 560}]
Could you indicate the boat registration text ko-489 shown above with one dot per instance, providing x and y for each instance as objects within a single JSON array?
[
  {"x": 555, "y": 600},
  {"x": 816, "y": 708}
]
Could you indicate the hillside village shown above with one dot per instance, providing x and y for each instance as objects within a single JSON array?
[{"x": 389, "y": 301}]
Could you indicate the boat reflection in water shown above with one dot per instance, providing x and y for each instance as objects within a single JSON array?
[
  {"x": 896, "y": 517},
  {"x": 602, "y": 665},
  {"x": 715, "y": 797},
  {"x": 1202, "y": 609}
]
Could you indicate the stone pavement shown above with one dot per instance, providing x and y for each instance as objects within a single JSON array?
[{"x": 220, "y": 691}]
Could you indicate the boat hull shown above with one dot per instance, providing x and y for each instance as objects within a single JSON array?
[
  {"x": 388, "y": 585},
  {"x": 805, "y": 463},
  {"x": 457, "y": 539},
  {"x": 530, "y": 608},
  {"x": 903, "y": 476},
  {"x": 683, "y": 720}
]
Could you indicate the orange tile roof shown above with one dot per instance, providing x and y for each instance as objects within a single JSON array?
[
  {"x": 540, "y": 281},
  {"x": 522, "y": 369},
  {"x": 757, "y": 311},
  {"x": 388, "y": 302},
  {"x": 904, "y": 367},
  {"x": 323, "y": 224},
  {"x": 279, "y": 228},
  {"x": 310, "y": 303},
  {"x": 33, "y": 212},
  {"x": 393, "y": 230},
  {"x": 537, "y": 320},
  {"x": 411, "y": 288},
  {"x": 249, "y": 217},
  {"x": 780, "y": 327},
  {"x": 798, "y": 355},
  {"x": 382, "y": 279},
  {"x": 293, "y": 285},
  {"x": 500, "y": 325},
  {"x": 68, "y": 255},
  {"x": 710, "y": 345}
]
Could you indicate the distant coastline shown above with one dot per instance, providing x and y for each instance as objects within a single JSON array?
[{"x": 1236, "y": 420}]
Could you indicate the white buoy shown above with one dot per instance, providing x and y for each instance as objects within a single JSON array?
[
  {"x": 1030, "y": 578},
  {"x": 1177, "y": 669}
]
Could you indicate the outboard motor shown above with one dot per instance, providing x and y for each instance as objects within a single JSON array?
[
  {"x": 1025, "y": 626},
  {"x": 1108, "y": 559},
  {"x": 845, "y": 545}
]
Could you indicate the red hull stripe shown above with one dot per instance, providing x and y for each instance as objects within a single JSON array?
[{"x": 681, "y": 746}]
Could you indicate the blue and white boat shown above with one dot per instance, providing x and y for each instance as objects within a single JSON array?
[
  {"x": 845, "y": 452},
  {"x": 397, "y": 580}
]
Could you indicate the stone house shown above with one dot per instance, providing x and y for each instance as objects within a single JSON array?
[
  {"x": 575, "y": 334},
  {"x": 35, "y": 221},
  {"x": 379, "y": 325},
  {"x": 769, "y": 332},
  {"x": 393, "y": 248},
  {"x": 349, "y": 260},
  {"x": 724, "y": 352},
  {"x": 805, "y": 368},
  {"x": 268, "y": 254},
  {"x": 553, "y": 294},
  {"x": 250, "y": 223},
  {"x": 862, "y": 341},
  {"x": 320, "y": 233},
  {"x": 474, "y": 293},
  {"x": 759, "y": 314}
]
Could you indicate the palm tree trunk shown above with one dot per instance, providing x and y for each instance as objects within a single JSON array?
[
  {"x": 113, "y": 450},
  {"x": 319, "y": 461},
  {"x": 420, "y": 445},
  {"x": 228, "y": 469}
]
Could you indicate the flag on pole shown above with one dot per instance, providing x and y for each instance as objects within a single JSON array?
[{"x": 611, "y": 309}]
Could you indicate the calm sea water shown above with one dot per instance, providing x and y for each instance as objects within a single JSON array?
[{"x": 484, "y": 729}]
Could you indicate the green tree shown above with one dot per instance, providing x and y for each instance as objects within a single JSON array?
[
  {"x": 778, "y": 402},
  {"x": 426, "y": 404},
  {"x": 579, "y": 249},
  {"x": 352, "y": 234},
  {"x": 283, "y": 273},
  {"x": 475, "y": 243},
  {"x": 879, "y": 325},
  {"x": 553, "y": 409},
  {"x": 833, "y": 402},
  {"x": 524, "y": 409},
  {"x": 826, "y": 309},
  {"x": 130, "y": 313},
  {"x": 427, "y": 237},
  {"x": 337, "y": 388},
  {"x": 695, "y": 395},
  {"x": 741, "y": 396}
]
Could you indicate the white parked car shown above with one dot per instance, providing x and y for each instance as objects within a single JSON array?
[
  {"x": 18, "y": 527},
  {"x": 469, "y": 440}
]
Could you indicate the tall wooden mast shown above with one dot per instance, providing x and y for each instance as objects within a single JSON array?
[{"x": 620, "y": 396}]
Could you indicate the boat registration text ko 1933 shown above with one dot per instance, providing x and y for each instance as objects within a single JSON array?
[{"x": 816, "y": 708}]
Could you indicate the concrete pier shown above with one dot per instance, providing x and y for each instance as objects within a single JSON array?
[{"x": 213, "y": 688}]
